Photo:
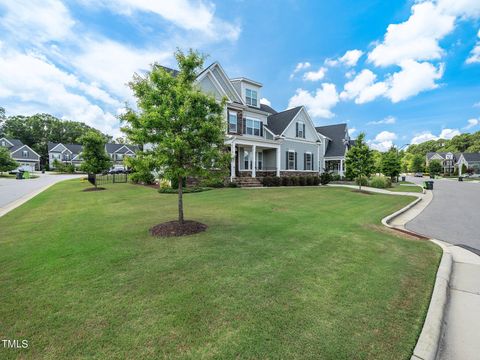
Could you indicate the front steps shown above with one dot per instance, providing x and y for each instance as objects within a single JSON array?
[{"x": 245, "y": 181}]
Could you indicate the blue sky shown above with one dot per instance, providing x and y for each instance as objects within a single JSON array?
[{"x": 402, "y": 71}]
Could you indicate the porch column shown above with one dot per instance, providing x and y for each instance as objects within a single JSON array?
[
  {"x": 341, "y": 168},
  {"x": 277, "y": 158},
  {"x": 254, "y": 160},
  {"x": 232, "y": 161},
  {"x": 460, "y": 169}
]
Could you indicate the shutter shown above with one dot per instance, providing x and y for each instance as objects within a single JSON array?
[
  {"x": 296, "y": 129},
  {"x": 261, "y": 129},
  {"x": 286, "y": 163},
  {"x": 304, "y": 131},
  {"x": 313, "y": 163},
  {"x": 244, "y": 126},
  {"x": 295, "y": 160},
  {"x": 304, "y": 161}
]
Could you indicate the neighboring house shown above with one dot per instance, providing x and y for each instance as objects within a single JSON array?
[
  {"x": 470, "y": 160},
  {"x": 28, "y": 159},
  {"x": 263, "y": 141},
  {"x": 336, "y": 147},
  {"x": 72, "y": 153}
]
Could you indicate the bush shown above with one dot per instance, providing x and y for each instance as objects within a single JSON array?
[
  {"x": 174, "y": 183},
  {"x": 276, "y": 181},
  {"x": 380, "y": 182},
  {"x": 316, "y": 180},
  {"x": 232, "y": 184},
  {"x": 362, "y": 180},
  {"x": 302, "y": 180},
  {"x": 335, "y": 177},
  {"x": 285, "y": 181},
  {"x": 214, "y": 183},
  {"x": 69, "y": 168},
  {"x": 193, "y": 189},
  {"x": 309, "y": 180},
  {"x": 325, "y": 178},
  {"x": 267, "y": 181},
  {"x": 146, "y": 178}
]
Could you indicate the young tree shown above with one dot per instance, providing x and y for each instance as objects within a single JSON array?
[
  {"x": 391, "y": 163},
  {"x": 185, "y": 125},
  {"x": 6, "y": 161},
  {"x": 435, "y": 167},
  {"x": 359, "y": 161},
  {"x": 418, "y": 163},
  {"x": 95, "y": 158}
]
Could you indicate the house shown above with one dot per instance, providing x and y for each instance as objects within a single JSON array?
[
  {"x": 72, "y": 153},
  {"x": 266, "y": 142},
  {"x": 447, "y": 159},
  {"x": 28, "y": 159},
  {"x": 336, "y": 147},
  {"x": 470, "y": 160}
]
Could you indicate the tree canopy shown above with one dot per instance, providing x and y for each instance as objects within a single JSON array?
[
  {"x": 6, "y": 161},
  {"x": 95, "y": 158},
  {"x": 359, "y": 161},
  {"x": 185, "y": 126},
  {"x": 391, "y": 163},
  {"x": 459, "y": 143}
]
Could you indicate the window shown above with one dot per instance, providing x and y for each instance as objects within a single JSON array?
[
  {"x": 308, "y": 161},
  {"x": 251, "y": 96},
  {"x": 300, "y": 127},
  {"x": 25, "y": 153},
  {"x": 254, "y": 127},
  {"x": 260, "y": 160},
  {"x": 4, "y": 144},
  {"x": 291, "y": 160},
  {"x": 246, "y": 160},
  {"x": 232, "y": 121},
  {"x": 119, "y": 156},
  {"x": 66, "y": 156}
]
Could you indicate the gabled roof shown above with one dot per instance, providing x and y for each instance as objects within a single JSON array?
[
  {"x": 471, "y": 157},
  {"x": 74, "y": 148},
  {"x": 430, "y": 155},
  {"x": 172, "y": 72},
  {"x": 120, "y": 148},
  {"x": 267, "y": 108},
  {"x": 278, "y": 122},
  {"x": 16, "y": 144},
  {"x": 336, "y": 133}
]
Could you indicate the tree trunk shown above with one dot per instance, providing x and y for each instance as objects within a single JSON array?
[
  {"x": 95, "y": 180},
  {"x": 359, "y": 179},
  {"x": 180, "y": 200}
]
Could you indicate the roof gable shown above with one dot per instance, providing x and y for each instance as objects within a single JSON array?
[
  {"x": 338, "y": 135},
  {"x": 278, "y": 122},
  {"x": 223, "y": 81},
  {"x": 32, "y": 154}
]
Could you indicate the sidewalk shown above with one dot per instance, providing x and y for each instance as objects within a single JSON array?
[{"x": 460, "y": 334}]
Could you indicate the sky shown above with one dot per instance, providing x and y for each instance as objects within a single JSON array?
[{"x": 403, "y": 72}]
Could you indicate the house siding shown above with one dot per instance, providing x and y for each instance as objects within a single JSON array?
[{"x": 300, "y": 148}]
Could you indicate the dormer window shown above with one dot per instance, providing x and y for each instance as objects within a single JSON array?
[
  {"x": 232, "y": 122},
  {"x": 25, "y": 153},
  {"x": 251, "y": 97},
  {"x": 300, "y": 129}
]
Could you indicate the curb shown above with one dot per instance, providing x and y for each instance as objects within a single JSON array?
[{"x": 429, "y": 341}]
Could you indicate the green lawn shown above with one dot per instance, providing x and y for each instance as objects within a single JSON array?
[
  {"x": 405, "y": 188},
  {"x": 281, "y": 273}
]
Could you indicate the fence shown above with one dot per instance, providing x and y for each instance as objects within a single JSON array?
[{"x": 107, "y": 179}]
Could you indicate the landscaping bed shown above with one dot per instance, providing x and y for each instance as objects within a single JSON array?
[{"x": 280, "y": 273}]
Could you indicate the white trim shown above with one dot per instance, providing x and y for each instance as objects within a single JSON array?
[
  {"x": 227, "y": 80},
  {"x": 120, "y": 148},
  {"x": 230, "y": 112},
  {"x": 4, "y": 138},
  {"x": 13, "y": 152},
  {"x": 250, "y": 81},
  {"x": 53, "y": 149},
  {"x": 214, "y": 81},
  {"x": 270, "y": 144},
  {"x": 309, "y": 119},
  {"x": 229, "y": 84},
  {"x": 67, "y": 149},
  {"x": 259, "y": 128}
]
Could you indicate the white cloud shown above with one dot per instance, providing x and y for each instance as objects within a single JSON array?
[
  {"x": 383, "y": 141},
  {"x": 189, "y": 15},
  {"x": 349, "y": 74},
  {"x": 36, "y": 20},
  {"x": 315, "y": 75},
  {"x": 460, "y": 8},
  {"x": 265, "y": 101},
  {"x": 320, "y": 103},
  {"x": 427, "y": 135},
  {"x": 389, "y": 120},
  {"x": 415, "y": 39},
  {"x": 475, "y": 53},
  {"x": 299, "y": 67},
  {"x": 363, "y": 88},
  {"x": 350, "y": 59},
  {"x": 414, "y": 78},
  {"x": 352, "y": 131},
  {"x": 476, "y": 104},
  {"x": 472, "y": 123}
]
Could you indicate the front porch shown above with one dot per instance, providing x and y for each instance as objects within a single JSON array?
[
  {"x": 335, "y": 166},
  {"x": 252, "y": 159}
]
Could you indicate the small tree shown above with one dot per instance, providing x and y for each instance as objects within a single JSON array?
[
  {"x": 6, "y": 161},
  {"x": 418, "y": 163},
  {"x": 185, "y": 125},
  {"x": 435, "y": 167},
  {"x": 391, "y": 164},
  {"x": 359, "y": 161},
  {"x": 95, "y": 158}
]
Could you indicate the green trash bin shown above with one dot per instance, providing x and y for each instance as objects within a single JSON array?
[{"x": 429, "y": 185}]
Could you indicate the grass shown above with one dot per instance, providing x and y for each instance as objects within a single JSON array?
[
  {"x": 403, "y": 187},
  {"x": 280, "y": 273},
  {"x": 7, "y": 176}
]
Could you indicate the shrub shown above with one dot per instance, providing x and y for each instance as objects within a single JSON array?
[
  {"x": 380, "y": 182},
  {"x": 325, "y": 178},
  {"x": 193, "y": 189},
  {"x": 309, "y": 180},
  {"x": 335, "y": 177},
  {"x": 174, "y": 183},
  {"x": 214, "y": 183},
  {"x": 141, "y": 177},
  {"x": 362, "y": 180},
  {"x": 316, "y": 180},
  {"x": 164, "y": 184},
  {"x": 267, "y": 181},
  {"x": 285, "y": 181},
  {"x": 302, "y": 180},
  {"x": 69, "y": 168},
  {"x": 232, "y": 184},
  {"x": 294, "y": 181},
  {"x": 276, "y": 181}
]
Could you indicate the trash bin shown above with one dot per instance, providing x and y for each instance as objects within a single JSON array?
[
  {"x": 460, "y": 178},
  {"x": 428, "y": 185},
  {"x": 403, "y": 178},
  {"x": 19, "y": 175}
]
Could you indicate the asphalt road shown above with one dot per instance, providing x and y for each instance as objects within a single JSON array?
[
  {"x": 453, "y": 215},
  {"x": 12, "y": 190}
]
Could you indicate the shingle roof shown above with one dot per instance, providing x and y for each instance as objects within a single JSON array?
[
  {"x": 471, "y": 157},
  {"x": 336, "y": 147},
  {"x": 111, "y": 148},
  {"x": 279, "y": 121},
  {"x": 173, "y": 72},
  {"x": 442, "y": 154},
  {"x": 74, "y": 148},
  {"x": 267, "y": 108}
]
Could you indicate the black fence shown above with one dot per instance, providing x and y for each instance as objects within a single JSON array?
[{"x": 107, "y": 179}]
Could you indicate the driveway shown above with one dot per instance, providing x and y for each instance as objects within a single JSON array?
[
  {"x": 13, "y": 192},
  {"x": 453, "y": 214}
]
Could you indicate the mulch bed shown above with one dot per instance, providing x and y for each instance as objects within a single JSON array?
[
  {"x": 94, "y": 189},
  {"x": 174, "y": 228}
]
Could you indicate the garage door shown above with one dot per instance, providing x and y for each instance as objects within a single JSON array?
[{"x": 27, "y": 167}]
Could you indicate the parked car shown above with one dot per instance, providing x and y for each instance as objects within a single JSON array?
[{"x": 418, "y": 174}]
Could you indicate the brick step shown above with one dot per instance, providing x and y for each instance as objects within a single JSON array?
[{"x": 248, "y": 182}]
